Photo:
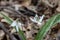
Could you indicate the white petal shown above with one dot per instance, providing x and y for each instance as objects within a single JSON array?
[
  {"x": 14, "y": 23},
  {"x": 36, "y": 17},
  {"x": 39, "y": 23},
  {"x": 33, "y": 20},
  {"x": 17, "y": 28},
  {"x": 41, "y": 18},
  {"x": 20, "y": 25}
]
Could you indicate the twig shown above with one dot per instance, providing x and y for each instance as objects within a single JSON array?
[
  {"x": 7, "y": 32},
  {"x": 13, "y": 10}
]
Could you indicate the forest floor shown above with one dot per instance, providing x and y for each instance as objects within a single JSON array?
[{"x": 23, "y": 10}]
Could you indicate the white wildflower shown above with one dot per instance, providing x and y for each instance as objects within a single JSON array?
[
  {"x": 17, "y": 25},
  {"x": 36, "y": 19}
]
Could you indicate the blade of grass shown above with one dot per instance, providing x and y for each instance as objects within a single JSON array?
[
  {"x": 22, "y": 34},
  {"x": 9, "y": 21},
  {"x": 42, "y": 32}
]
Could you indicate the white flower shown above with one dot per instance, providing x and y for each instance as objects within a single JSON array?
[
  {"x": 36, "y": 19},
  {"x": 13, "y": 23},
  {"x": 17, "y": 25}
]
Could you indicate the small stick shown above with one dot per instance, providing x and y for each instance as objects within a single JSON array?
[{"x": 7, "y": 32}]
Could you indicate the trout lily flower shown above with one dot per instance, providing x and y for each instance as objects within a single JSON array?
[{"x": 37, "y": 19}]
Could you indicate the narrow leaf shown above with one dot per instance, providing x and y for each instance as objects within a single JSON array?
[
  {"x": 22, "y": 35},
  {"x": 9, "y": 21},
  {"x": 45, "y": 28}
]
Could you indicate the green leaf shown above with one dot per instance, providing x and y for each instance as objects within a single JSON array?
[
  {"x": 9, "y": 21},
  {"x": 45, "y": 28},
  {"x": 22, "y": 35}
]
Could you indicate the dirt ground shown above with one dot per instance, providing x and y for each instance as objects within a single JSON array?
[{"x": 25, "y": 9}]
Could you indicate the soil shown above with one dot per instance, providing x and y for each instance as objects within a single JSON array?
[{"x": 26, "y": 9}]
